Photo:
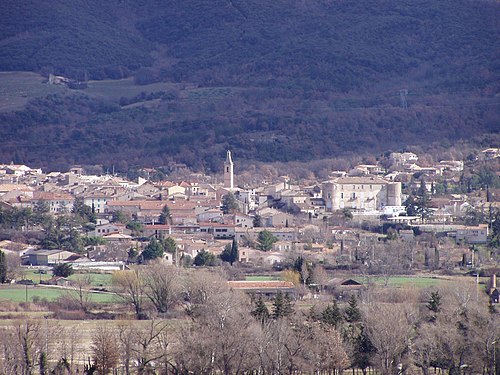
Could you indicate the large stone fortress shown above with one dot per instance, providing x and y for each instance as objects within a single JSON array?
[{"x": 361, "y": 193}]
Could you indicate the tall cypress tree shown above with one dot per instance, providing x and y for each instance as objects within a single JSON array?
[
  {"x": 234, "y": 251},
  {"x": 230, "y": 252},
  {"x": 3, "y": 268}
]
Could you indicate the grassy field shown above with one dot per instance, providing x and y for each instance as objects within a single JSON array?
[
  {"x": 417, "y": 281},
  {"x": 260, "y": 278},
  {"x": 401, "y": 281},
  {"x": 17, "y": 293},
  {"x": 97, "y": 279},
  {"x": 16, "y": 88},
  {"x": 115, "y": 89}
]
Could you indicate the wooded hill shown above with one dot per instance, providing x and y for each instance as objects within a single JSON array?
[{"x": 310, "y": 79}]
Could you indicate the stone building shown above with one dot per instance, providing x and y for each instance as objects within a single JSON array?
[{"x": 361, "y": 193}]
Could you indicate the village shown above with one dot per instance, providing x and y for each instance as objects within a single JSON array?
[
  {"x": 344, "y": 223},
  {"x": 156, "y": 275}
]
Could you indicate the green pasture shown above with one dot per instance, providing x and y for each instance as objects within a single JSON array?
[
  {"x": 97, "y": 279},
  {"x": 404, "y": 281},
  {"x": 17, "y": 293},
  {"x": 260, "y": 278},
  {"x": 115, "y": 89},
  {"x": 16, "y": 88}
]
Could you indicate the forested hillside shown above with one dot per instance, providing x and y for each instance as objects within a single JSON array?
[{"x": 311, "y": 79}]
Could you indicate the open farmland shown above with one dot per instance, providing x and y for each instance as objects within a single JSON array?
[
  {"x": 405, "y": 281},
  {"x": 22, "y": 293},
  {"x": 96, "y": 279}
]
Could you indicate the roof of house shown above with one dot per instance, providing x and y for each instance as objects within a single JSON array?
[
  {"x": 358, "y": 180},
  {"x": 49, "y": 195},
  {"x": 261, "y": 285},
  {"x": 343, "y": 282},
  {"x": 14, "y": 187}
]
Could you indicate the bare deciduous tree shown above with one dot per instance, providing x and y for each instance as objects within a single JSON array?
[
  {"x": 105, "y": 353},
  {"x": 389, "y": 327},
  {"x": 80, "y": 293},
  {"x": 129, "y": 286},
  {"x": 162, "y": 285}
]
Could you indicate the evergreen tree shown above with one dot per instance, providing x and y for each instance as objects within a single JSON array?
[
  {"x": 434, "y": 304},
  {"x": 422, "y": 201},
  {"x": 83, "y": 212},
  {"x": 153, "y": 250},
  {"x": 495, "y": 229},
  {"x": 234, "y": 251},
  {"x": 43, "y": 363},
  {"x": 363, "y": 350},
  {"x": 226, "y": 253},
  {"x": 229, "y": 203},
  {"x": 165, "y": 216},
  {"x": 266, "y": 240},
  {"x": 314, "y": 315},
  {"x": 136, "y": 227},
  {"x": 3, "y": 267},
  {"x": 169, "y": 245},
  {"x": 352, "y": 312},
  {"x": 331, "y": 315},
  {"x": 260, "y": 312},
  {"x": 119, "y": 217},
  {"x": 63, "y": 270},
  {"x": 411, "y": 206},
  {"x": 230, "y": 252},
  {"x": 282, "y": 305},
  {"x": 257, "y": 221},
  {"x": 132, "y": 255},
  {"x": 298, "y": 264},
  {"x": 205, "y": 258}
]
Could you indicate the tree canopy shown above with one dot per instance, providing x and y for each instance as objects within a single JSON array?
[{"x": 266, "y": 240}]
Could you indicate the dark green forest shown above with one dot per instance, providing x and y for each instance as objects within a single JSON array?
[{"x": 284, "y": 80}]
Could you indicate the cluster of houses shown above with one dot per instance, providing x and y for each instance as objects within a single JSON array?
[{"x": 291, "y": 212}]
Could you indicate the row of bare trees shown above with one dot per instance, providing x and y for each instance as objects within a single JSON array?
[{"x": 223, "y": 331}]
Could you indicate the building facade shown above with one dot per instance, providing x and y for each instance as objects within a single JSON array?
[{"x": 361, "y": 193}]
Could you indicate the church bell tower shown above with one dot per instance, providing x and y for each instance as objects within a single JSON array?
[{"x": 228, "y": 171}]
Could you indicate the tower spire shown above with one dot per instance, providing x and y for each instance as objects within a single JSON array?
[{"x": 228, "y": 171}]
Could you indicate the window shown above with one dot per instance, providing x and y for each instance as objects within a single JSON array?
[
  {"x": 353, "y": 196},
  {"x": 341, "y": 195}
]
